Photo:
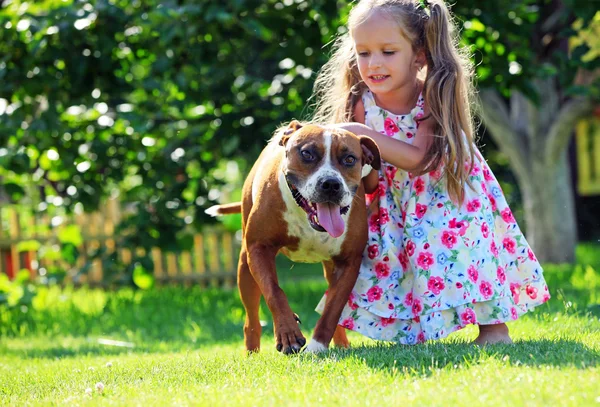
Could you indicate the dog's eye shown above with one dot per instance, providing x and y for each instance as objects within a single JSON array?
[
  {"x": 307, "y": 155},
  {"x": 349, "y": 160}
]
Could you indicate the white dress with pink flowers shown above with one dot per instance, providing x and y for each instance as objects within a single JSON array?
[{"x": 430, "y": 267}]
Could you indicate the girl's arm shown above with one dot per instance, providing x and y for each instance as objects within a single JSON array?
[
  {"x": 371, "y": 181},
  {"x": 398, "y": 153}
]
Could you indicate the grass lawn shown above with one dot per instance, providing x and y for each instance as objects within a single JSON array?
[{"x": 183, "y": 346}]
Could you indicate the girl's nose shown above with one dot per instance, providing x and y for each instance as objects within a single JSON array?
[{"x": 374, "y": 62}]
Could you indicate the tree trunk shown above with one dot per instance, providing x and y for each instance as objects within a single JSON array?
[
  {"x": 548, "y": 202},
  {"x": 535, "y": 139}
]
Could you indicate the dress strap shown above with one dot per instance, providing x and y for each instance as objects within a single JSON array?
[{"x": 368, "y": 99}]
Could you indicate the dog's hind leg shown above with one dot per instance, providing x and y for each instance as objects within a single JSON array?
[
  {"x": 250, "y": 296},
  {"x": 340, "y": 340}
]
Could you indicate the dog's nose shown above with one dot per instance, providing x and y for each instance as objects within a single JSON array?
[{"x": 330, "y": 185}]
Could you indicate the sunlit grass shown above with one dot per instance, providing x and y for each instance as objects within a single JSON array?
[{"x": 174, "y": 346}]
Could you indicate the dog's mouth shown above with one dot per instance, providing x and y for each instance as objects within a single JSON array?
[{"x": 322, "y": 216}]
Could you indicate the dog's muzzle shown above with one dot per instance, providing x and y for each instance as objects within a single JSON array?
[{"x": 324, "y": 215}]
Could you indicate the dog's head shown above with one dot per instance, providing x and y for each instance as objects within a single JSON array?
[{"x": 323, "y": 169}]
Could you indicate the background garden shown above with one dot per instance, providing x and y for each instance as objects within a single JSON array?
[{"x": 121, "y": 121}]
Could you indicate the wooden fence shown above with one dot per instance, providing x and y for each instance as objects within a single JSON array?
[
  {"x": 32, "y": 242},
  {"x": 588, "y": 156}
]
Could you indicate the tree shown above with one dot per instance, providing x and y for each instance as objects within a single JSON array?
[
  {"x": 146, "y": 97},
  {"x": 530, "y": 103}
]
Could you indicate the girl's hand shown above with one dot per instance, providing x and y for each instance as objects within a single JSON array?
[{"x": 353, "y": 127}]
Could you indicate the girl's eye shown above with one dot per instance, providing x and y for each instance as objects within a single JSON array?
[
  {"x": 389, "y": 52},
  {"x": 307, "y": 156},
  {"x": 363, "y": 54},
  {"x": 349, "y": 160}
]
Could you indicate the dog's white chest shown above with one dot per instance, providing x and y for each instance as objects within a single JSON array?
[{"x": 314, "y": 246}]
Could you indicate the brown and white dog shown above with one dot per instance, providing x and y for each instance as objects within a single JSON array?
[{"x": 303, "y": 197}]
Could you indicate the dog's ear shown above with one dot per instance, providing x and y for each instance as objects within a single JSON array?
[
  {"x": 291, "y": 128},
  {"x": 371, "y": 153}
]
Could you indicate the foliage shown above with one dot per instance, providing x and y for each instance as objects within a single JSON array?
[{"x": 147, "y": 97}]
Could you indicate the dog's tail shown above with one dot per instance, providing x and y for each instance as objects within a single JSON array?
[{"x": 226, "y": 209}]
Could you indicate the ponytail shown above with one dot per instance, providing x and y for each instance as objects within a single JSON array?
[{"x": 447, "y": 92}]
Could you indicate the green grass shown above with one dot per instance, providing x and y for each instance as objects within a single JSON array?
[{"x": 184, "y": 347}]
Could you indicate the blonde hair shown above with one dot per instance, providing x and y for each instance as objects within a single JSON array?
[{"x": 447, "y": 91}]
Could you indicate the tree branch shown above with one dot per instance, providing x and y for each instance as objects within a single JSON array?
[
  {"x": 564, "y": 124},
  {"x": 496, "y": 118}
]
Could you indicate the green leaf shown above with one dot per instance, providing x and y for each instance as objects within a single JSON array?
[
  {"x": 142, "y": 278},
  {"x": 71, "y": 234}
]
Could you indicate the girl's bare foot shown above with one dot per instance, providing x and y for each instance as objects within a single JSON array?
[{"x": 492, "y": 334}]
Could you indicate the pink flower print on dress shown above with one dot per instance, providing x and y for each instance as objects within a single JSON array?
[
  {"x": 374, "y": 223},
  {"x": 419, "y": 186},
  {"x": 408, "y": 300},
  {"x": 485, "y": 288},
  {"x": 403, "y": 258},
  {"x": 468, "y": 317},
  {"x": 501, "y": 275},
  {"x": 384, "y": 216},
  {"x": 487, "y": 175},
  {"x": 348, "y": 323},
  {"x": 425, "y": 260},
  {"x": 513, "y": 313},
  {"x": 492, "y": 202},
  {"x": 420, "y": 210},
  {"x": 382, "y": 270},
  {"x": 390, "y": 126},
  {"x": 410, "y": 247},
  {"x": 449, "y": 239},
  {"x": 474, "y": 205},
  {"x": 374, "y": 293},
  {"x": 507, "y": 216},
  {"x": 373, "y": 251},
  {"x": 417, "y": 307},
  {"x": 509, "y": 244},
  {"x": 531, "y": 292},
  {"x": 531, "y": 255},
  {"x": 386, "y": 321},
  {"x": 494, "y": 249},
  {"x": 485, "y": 230},
  {"x": 435, "y": 285},
  {"x": 390, "y": 172},
  {"x": 473, "y": 273},
  {"x": 463, "y": 225},
  {"x": 515, "y": 290}
]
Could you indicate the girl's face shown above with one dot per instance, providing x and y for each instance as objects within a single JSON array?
[{"x": 386, "y": 60}]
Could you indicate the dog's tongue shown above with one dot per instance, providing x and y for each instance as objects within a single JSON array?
[{"x": 330, "y": 218}]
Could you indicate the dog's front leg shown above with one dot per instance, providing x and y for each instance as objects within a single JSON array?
[
  {"x": 341, "y": 276},
  {"x": 261, "y": 259}
]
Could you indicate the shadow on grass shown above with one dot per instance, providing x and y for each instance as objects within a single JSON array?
[
  {"x": 427, "y": 358},
  {"x": 172, "y": 319}
]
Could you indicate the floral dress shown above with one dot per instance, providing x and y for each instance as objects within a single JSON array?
[{"x": 430, "y": 267}]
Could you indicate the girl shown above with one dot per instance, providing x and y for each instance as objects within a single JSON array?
[{"x": 444, "y": 250}]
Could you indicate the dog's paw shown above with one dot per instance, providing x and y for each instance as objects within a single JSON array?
[{"x": 315, "y": 347}]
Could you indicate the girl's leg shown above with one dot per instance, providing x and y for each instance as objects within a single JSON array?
[{"x": 492, "y": 334}]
